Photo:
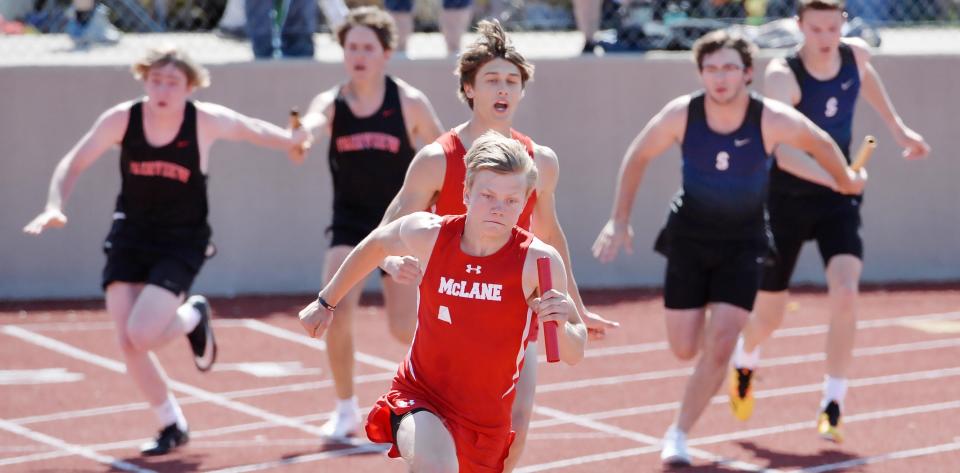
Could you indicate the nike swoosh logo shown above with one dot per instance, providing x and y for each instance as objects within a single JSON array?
[
  {"x": 846, "y": 85},
  {"x": 739, "y": 143}
]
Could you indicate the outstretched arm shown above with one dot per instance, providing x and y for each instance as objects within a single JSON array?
[
  {"x": 105, "y": 133},
  {"x": 319, "y": 117},
  {"x": 410, "y": 235},
  {"x": 661, "y": 132},
  {"x": 784, "y": 125},
  {"x": 802, "y": 165},
  {"x": 231, "y": 125},
  {"x": 914, "y": 146}
]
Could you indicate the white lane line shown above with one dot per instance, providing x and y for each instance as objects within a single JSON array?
[
  {"x": 100, "y": 325},
  {"x": 302, "y": 339},
  {"x": 636, "y": 436},
  {"x": 901, "y": 411},
  {"x": 585, "y": 459},
  {"x": 255, "y": 324},
  {"x": 740, "y": 435},
  {"x": 69, "y": 447},
  {"x": 781, "y": 361},
  {"x": 781, "y": 333},
  {"x": 240, "y": 394},
  {"x": 764, "y": 394},
  {"x": 116, "y": 366},
  {"x": 369, "y": 448},
  {"x": 198, "y": 434},
  {"x": 912, "y": 453}
]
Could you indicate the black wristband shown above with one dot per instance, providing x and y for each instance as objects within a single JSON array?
[{"x": 325, "y": 304}]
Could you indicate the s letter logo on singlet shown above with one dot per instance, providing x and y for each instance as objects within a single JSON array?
[
  {"x": 831, "y": 110},
  {"x": 723, "y": 161}
]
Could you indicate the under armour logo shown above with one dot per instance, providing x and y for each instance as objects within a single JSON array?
[
  {"x": 473, "y": 269},
  {"x": 846, "y": 85}
]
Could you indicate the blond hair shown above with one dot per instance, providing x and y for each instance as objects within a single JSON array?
[
  {"x": 495, "y": 152},
  {"x": 197, "y": 75},
  {"x": 491, "y": 44}
]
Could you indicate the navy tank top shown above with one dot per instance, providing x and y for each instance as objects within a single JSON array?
[
  {"x": 830, "y": 105},
  {"x": 725, "y": 177}
]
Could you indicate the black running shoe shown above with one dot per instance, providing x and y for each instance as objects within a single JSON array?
[
  {"x": 201, "y": 339},
  {"x": 589, "y": 47},
  {"x": 168, "y": 439}
]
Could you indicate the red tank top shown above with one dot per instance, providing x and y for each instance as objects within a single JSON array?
[
  {"x": 472, "y": 325},
  {"x": 450, "y": 200}
]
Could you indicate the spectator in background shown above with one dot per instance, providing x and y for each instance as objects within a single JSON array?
[
  {"x": 233, "y": 23},
  {"x": 15, "y": 9},
  {"x": 335, "y": 12},
  {"x": 297, "y": 23},
  {"x": 454, "y": 21},
  {"x": 587, "y": 14},
  {"x": 663, "y": 9},
  {"x": 89, "y": 24},
  {"x": 780, "y": 9}
]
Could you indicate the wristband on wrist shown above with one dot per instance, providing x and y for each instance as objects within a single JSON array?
[{"x": 326, "y": 305}]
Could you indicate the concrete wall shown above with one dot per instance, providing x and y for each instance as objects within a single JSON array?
[{"x": 268, "y": 215}]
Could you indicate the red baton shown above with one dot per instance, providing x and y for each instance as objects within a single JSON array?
[{"x": 549, "y": 328}]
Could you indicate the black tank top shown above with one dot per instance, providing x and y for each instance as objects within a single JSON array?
[
  {"x": 368, "y": 157},
  {"x": 163, "y": 193}
]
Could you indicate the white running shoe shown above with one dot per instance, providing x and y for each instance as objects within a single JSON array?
[
  {"x": 674, "y": 451},
  {"x": 342, "y": 424}
]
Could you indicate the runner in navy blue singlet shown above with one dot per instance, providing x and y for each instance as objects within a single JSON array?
[
  {"x": 822, "y": 79},
  {"x": 716, "y": 237}
]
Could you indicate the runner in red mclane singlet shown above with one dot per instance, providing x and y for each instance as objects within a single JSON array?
[{"x": 449, "y": 408}]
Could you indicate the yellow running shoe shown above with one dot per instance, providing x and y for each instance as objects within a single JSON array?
[
  {"x": 828, "y": 424},
  {"x": 741, "y": 393}
]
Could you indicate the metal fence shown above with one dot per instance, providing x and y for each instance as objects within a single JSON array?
[
  {"x": 150, "y": 16},
  {"x": 145, "y": 16},
  {"x": 624, "y": 25}
]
